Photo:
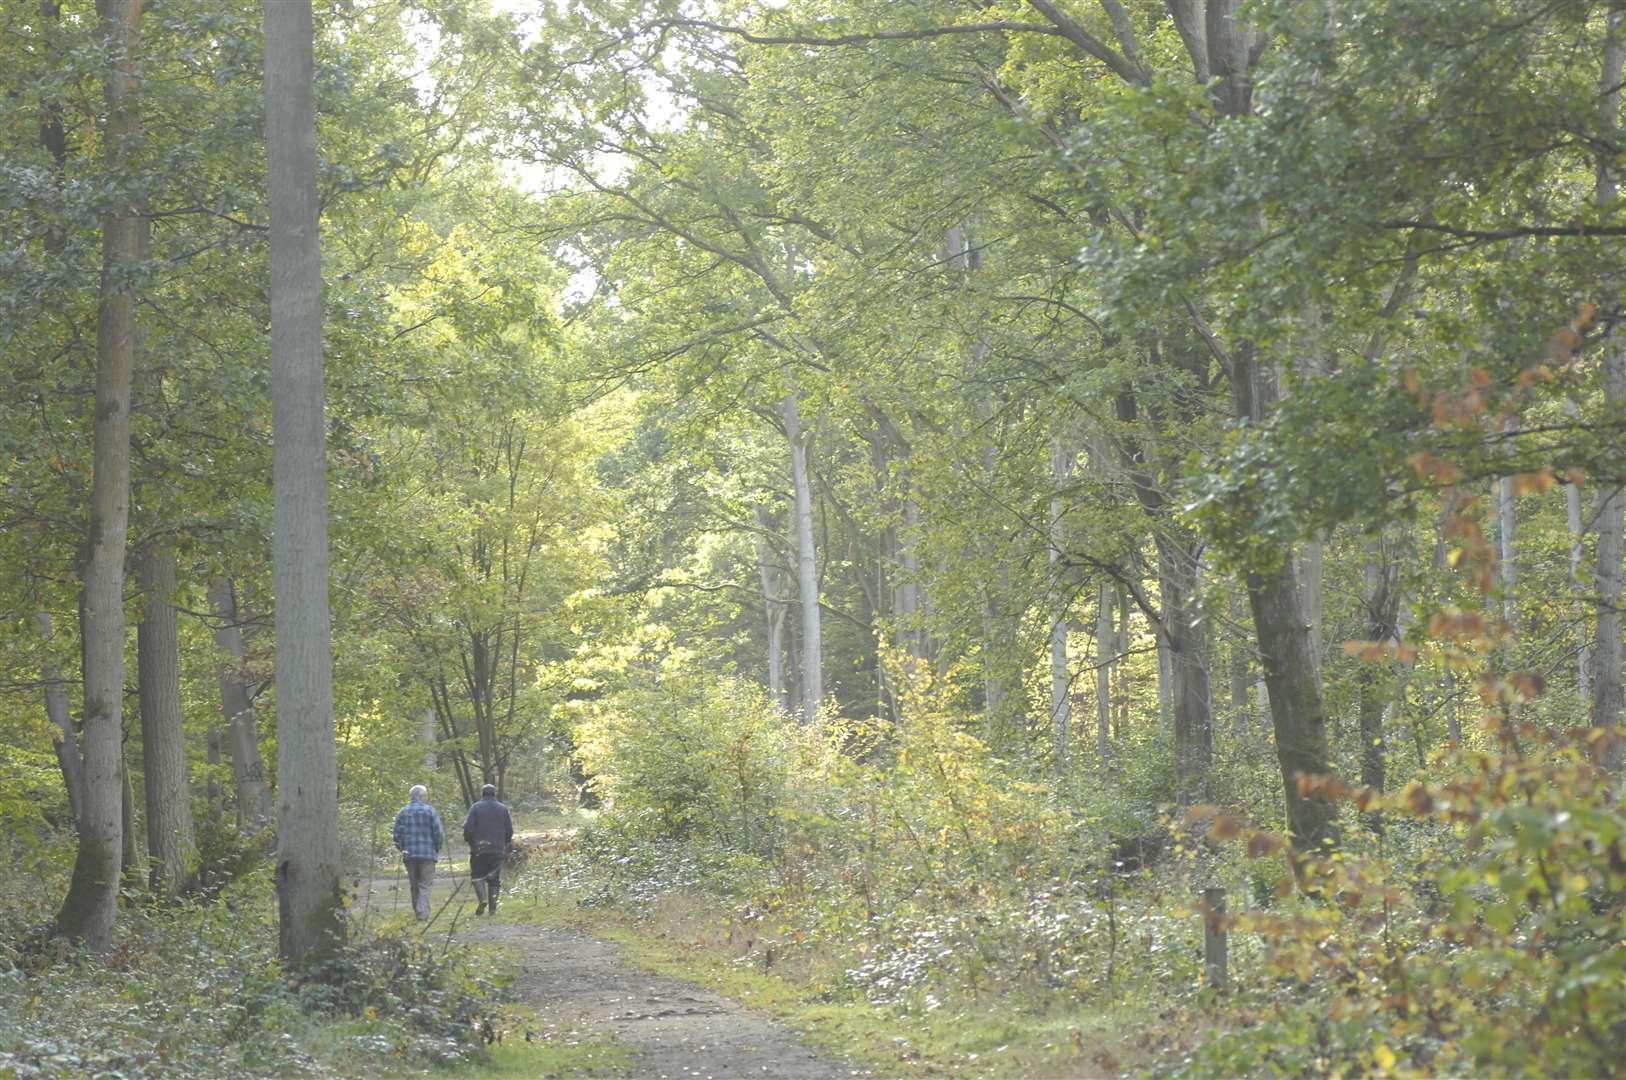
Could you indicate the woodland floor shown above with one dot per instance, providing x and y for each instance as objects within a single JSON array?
[{"x": 581, "y": 988}]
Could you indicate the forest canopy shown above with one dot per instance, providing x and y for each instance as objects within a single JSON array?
[{"x": 1020, "y": 491}]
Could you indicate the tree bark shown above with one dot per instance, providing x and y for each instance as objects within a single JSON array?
[
  {"x": 237, "y": 710},
  {"x": 91, "y": 906},
  {"x": 311, "y": 914},
  {"x": 1382, "y": 604},
  {"x": 774, "y": 607},
  {"x": 1577, "y": 530},
  {"x": 1507, "y": 548},
  {"x": 1286, "y": 651},
  {"x": 807, "y": 571},
  {"x": 1241, "y": 705},
  {"x": 1106, "y": 652},
  {"x": 1185, "y": 636},
  {"x": 163, "y": 743},
  {"x": 1609, "y": 655},
  {"x": 1061, "y": 707}
]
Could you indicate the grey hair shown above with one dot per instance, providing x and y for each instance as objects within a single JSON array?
[{"x": 419, "y": 793}]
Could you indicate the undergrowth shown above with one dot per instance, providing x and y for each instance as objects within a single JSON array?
[
  {"x": 874, "y": 879},
  {"x": 197, "y": 990}
]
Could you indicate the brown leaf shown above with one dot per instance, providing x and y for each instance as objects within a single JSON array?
[{"x": 1262, "y": 843}]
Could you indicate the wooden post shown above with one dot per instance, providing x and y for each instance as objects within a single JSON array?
[{"x": 1214, "y": 938}]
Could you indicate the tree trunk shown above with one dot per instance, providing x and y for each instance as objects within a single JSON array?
[
  {"x": 774, "y": 607},
  {"x": 1507, "y": 548},
  {"x": 1611, "y": 516},
  {"x": 1165, "y": 681},
  {"x": 1241, "y": 706},
  {"x": 63, "y": 736},
  {"x": 1577, "y": 529},
  {"x": 1061, "y": 707},
  {"x": 163, "y": 742},
  {"x": 1106, "y": 646},
  {"x": 1311, "y": 565},
  {"x": 1125, "y": 611},
  {"x": 807, "y": 570},
  {"x": 237, "y": 710},
  {"x": 1382, "y": 604},
  {"x": 426, "y": 739},
  {"x": 1286, "y": 652},
  {"x": 91, "y": 906},
  {"x": 131, "y": 858},
  {"x": 1185, "y": 634},
  {"x": 310, "y": 907}
]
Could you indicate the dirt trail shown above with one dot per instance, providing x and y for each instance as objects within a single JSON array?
[{"x": 574, "y": 983}]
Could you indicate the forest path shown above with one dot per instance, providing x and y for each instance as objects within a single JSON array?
[{"x": 582, "y": 988}]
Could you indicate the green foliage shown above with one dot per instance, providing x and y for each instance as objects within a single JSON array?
[{"x": 689, "y": 757}]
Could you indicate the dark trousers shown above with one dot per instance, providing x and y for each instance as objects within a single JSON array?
[{"x": 485, "y": 870}]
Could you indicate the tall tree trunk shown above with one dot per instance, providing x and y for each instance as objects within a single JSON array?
[
  {"x": 1577, "y": 529},
  {"x": 163, "y": 742},
  {"x": 310, "y": 908},
  {"x": 237, "y": 710},
  {"x": 1061, "y": 707},
  {"x": 1185, "y": 634},
  {"x": 1286, "y": 651},
  {"x": 1382, "y": 604},
  {"x": 131, "y": 859},
  {"x": 1241, "y": 706},
  {"x": 1165, "y": 681},
  {"x": 911, "y": 599},
  {"x": 774, "y": 608},
  {"x": 1120, "y": 724},
  {"x": 1507, "y": 548},
  {"x": 1106, "y": 651},
  {"x": 426, "y": 739},
  {"x": 1311, "y": 559},
  {"x": 1609, "y": 655},
  {"x": 91, "y": 906},
  {"x": 807, "y": 569}
]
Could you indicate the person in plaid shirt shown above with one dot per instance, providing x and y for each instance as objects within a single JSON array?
[{"x": 419, "y": 836}]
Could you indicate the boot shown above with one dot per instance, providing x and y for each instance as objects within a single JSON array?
[
  {"x": 493, "y": 889},
  {"x": 480, "y": 895}
]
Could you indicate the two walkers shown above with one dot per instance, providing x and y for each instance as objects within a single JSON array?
[{"x": 419, "y": 836}]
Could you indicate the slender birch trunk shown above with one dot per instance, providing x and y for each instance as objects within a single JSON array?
[{"x": 311, "y": 912}]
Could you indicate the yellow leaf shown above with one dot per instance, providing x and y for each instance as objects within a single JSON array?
[{"x": 1385, "y": 1057}]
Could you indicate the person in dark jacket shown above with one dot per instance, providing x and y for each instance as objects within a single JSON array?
[{"x": 489, "y": 829}]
